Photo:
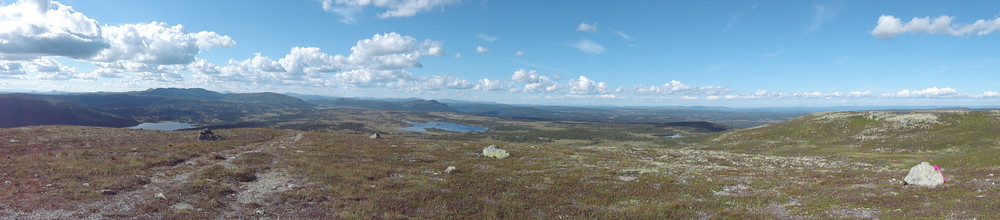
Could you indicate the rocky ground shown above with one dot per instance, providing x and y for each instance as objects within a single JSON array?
[{"x": 66, "y": 172}]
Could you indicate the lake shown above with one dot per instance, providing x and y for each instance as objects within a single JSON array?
[
  {"x": 165, "y": 126},
  {"x": 447, "y": 126}
]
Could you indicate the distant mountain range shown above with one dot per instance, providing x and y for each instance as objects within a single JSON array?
[{"x": 120, "y": 109}]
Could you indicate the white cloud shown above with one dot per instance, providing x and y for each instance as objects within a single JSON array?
[
  {"x": 50, "y": 69},
  {"x": 487, "y": 38},
  {"x": 584, "y": 85},
  {"x": 519, "y": 53},
  {"x": 30, "y": 29},
  {"x": 589, "y": 47},
  {"x": 350, "y": 9},
  {"x": 527, "y": 76},
  {"x": 587, "y": 27},
  {"x": 933, "y": 92},
  {"x": 12, "y": 68},
  {"x": 689, "y": 98},
  {"x": 675, "y": 87},
  {"x": 486, "y": 84},
  {"x": 379, "y": 61},
  {"x": 481, "y": 49},
  {"x": 889, "y": 26},
  {"x": 821, "y": 15},
  {"x": 623, "y": 35},
  {"x": 987, "y": 94},
  {"x": 433, "y": 83},
  {"x": 157, "y": 43},
  {"x": 458, "y": 55}
]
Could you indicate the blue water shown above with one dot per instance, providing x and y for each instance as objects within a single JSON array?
[
  {"x": 447, "y": 126},
  {"x": 165, "y": 126}
]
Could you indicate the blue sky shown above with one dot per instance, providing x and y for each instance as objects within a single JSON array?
[{"x": 648, "y": 53}]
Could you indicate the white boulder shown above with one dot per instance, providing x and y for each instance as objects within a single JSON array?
[
  {"x": 494, "y": 152},
  {"x": 924, "y": 174}
]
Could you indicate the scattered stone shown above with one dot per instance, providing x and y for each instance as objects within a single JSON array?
[
  {"x": 924, "y": 174},
  {"x": 108, "y": 192},
  {"x": 451, "y": 169},
  {"x": 208, "y": 135},
  {"x": 493, "y": 151},
  {"x": 86, "y": 184},
  {"x": 182, "y": 207},
  {"x": 299, "y": 151},
  {"x": 160, "y": 196},
  {"x": 13, "y": 141},
  {"x": 7, "y": 182},
  {"x": 258, "y": 212},
  {"x": 375, "y": 136},
  {"x": 627, "y": 178}
]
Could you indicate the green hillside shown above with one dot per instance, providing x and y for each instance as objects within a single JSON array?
[{"x": 961, "y": 138}]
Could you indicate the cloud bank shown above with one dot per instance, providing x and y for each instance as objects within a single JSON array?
[{"x": 889, "y": 26}]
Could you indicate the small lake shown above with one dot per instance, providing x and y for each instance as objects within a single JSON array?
[
  {"x": 447, "y": 126},
  {"x": 673, "y": 136},
  {"x": 165, "y": 126}
]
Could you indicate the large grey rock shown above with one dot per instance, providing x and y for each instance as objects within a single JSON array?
[
  {"x": 924, "y": 174},
  {"x": 494, "y": 152},
  {"x": 375, "y": 136}
]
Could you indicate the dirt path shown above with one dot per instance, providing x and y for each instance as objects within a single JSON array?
[{"x": 164, "y": 188}]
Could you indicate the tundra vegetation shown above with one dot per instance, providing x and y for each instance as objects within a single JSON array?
[{"x": 824, "y": 165}]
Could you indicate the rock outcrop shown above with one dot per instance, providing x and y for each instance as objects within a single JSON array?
[
  {"x": 375, "y": 136},
  {"x": 494, "y": 152},
  {"x": 924, "y": 174},
  {"x": 208, "y": 135}
]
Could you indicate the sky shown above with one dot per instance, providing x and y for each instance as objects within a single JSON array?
[{"x": 564, "y": 52}]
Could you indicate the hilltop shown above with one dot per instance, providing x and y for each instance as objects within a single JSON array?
[{"x": 951, "y": 137}]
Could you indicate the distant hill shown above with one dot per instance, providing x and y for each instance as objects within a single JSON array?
[
  {"x": 180, "y": 93},
  {"x": 949, "y": 137},
  {"x": 407, "y": 105},
  {"x": 197, "y": 106},
  {"x": 18, "y": 111}
]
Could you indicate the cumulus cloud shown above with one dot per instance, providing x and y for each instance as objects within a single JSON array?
[
  {"x": 589, "y": 47},
  {"x": 50, "y": 69},
  {"x": 584, "y": 85},
  {"x": 519, "y": 53},
  {"x": 889, "y": 26},
  {"x": 12, "y": 68},
  {"x": 30, "y": 29},
  {"x": 587, "y": 27},
  {"x": 35, "y": 32},
  {"x": 458, "y": 55},
  {"x": 350, "y": 9},
  {"x": 481, "y": 49},
  {"x": 379, "y": 61},
  {"x": 157, "y": 43},
  {"x": 987, "y": 94},
  {"x": 675, "y": 87},
  {"x": 486, "y": 84},
  {"x": 933, "y": 92}
]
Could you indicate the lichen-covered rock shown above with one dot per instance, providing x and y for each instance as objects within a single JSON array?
[
  {"x": 924, "y": 174},
  {"x": 450, "y": 169},
  {"x": 494, "y": 152}
]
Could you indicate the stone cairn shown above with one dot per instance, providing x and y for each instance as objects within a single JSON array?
[{"x": 208, "y": 135}]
